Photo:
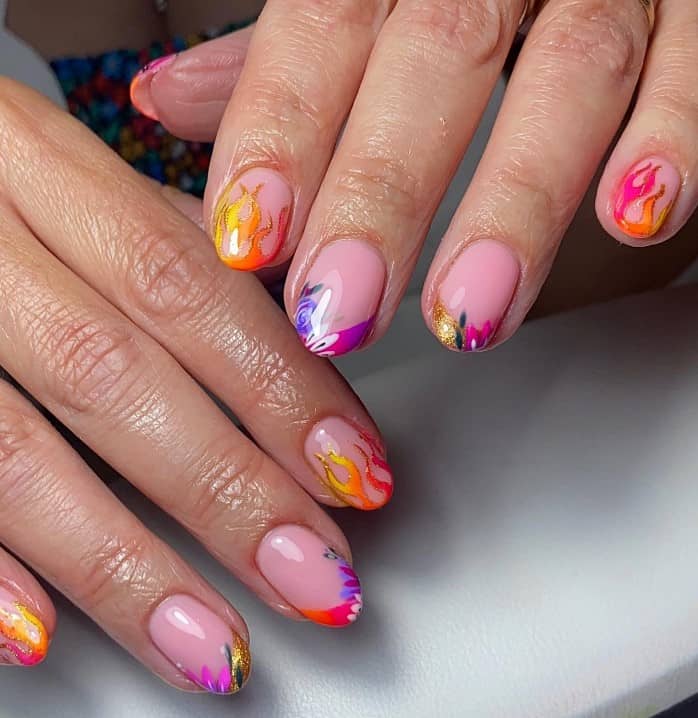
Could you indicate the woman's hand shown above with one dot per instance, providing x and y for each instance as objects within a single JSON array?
[
  {"x": 414, "y": 77},
  {"x": 113, "y": 309}
]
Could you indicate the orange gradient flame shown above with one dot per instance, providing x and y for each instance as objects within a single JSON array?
[{"x": 640, "y": 185}]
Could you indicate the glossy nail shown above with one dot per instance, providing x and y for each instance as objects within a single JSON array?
[
  {"x": 338, "y": 303},
  {"x": 200, "y": 644},
  {"x": 645, "y": 197},
  {"x": 350, "y": 463},
  {"x": 23, "y": 637},
  {"x": 251, "y": 219},
  {"x": 474, "y": 295},
  {"x": 312, "y": 577},
  {"x": 140, "y": 86}
]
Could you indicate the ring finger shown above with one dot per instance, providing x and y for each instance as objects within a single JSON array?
[{"x": 567, "y": 96}]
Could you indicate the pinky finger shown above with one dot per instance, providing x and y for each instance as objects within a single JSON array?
[
  {"x": 27, "y": 616},
  {"x": 649, "y": 188}
]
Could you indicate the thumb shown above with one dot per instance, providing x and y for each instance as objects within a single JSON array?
[{"x": 189, "y": 91}]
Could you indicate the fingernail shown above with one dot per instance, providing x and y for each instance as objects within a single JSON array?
[
  {"x": 140, "y": 86},
  {"x": 350, "y": 463},
  {"x": 23, "y": 637},
  {"x": 474, "y": 296},
  {"x": 338, "y": 303},
  {"x": 312, "y": 577},
  {"x": 200, "y": 644},
  {"x": 251, "y": 219},
  {"x": 645, "y": 197}
]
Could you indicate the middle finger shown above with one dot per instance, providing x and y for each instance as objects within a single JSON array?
[{"x": 426, "y": 86}]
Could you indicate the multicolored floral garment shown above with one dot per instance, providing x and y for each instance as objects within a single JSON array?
[{"x": 97, "y": 91}]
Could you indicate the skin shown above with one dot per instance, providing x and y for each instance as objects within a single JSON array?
[
  {"x": 305, "y": 70},
  {"x": 100, "y": 333}
]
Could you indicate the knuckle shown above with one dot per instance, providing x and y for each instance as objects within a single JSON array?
[
  {"x": 374, "y": 183},
  {"x": 169, "y": 281},
  {"x": 92, "y": 364},
  {"x": 478, "y": 29},
  {"x": 114, "y": 567},
  {"x": 337, "y": 13},
  {"x": 228, "y": 491},
  {"x": 19, "y": 432},
  {"x": 670, "y": 97},
  {"x": 593, "y": 35}
]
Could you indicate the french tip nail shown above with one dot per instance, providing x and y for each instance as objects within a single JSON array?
[
  {"x": 337, "y": 308},
  {"x": 200, "y": 644},
  {"x": 318, "y": 582},
  {"x": 139, "y": 89},
  {"x": 24, "y": 640},
  {"x": 475, "y": 295},
  {"x": 350, "y": 463}
]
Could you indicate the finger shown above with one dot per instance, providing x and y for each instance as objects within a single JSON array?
[
  {"x": 65, "y": 523},
  {"x": 398, "y": 153},
  {"x": 155, "y": 266},
  {"x": 132, "y": 403},
  {"x": 189, "y": 91},
  {"x": 27, "y": 615},
  {"x": 567, "y": 96},
  {"x": 650, "y": 186},
  {"x": 303, "y": 67}
]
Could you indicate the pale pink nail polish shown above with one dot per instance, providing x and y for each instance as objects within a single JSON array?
[
  {"x": 350, "y": 463},
  {"x": 474, "y": 295},
  {"x": 200, "y": 644},
  {"x": 140, "y": 85},
  {"x": 23, "y": 637},
  {"x": 252, "y": 218},
  {"x": 339, "y": 300},
  {"x": 645, "y": 197},
  {"x": 312, "y": 577}
]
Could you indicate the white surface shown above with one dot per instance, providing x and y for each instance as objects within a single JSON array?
[{"x": 538, "y": 558}]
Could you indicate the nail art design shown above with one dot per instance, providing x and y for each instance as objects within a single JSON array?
[
  {"x": 645, "y": 197},
  {"x": 200, "y": 644},
  {"x": 251, "y": 219},
  {"x": 23, "y": 637},
  {"x": 337, "y": 306},
  {"x": 141, "y": 100},
  {"x": 474, "y": 296},
  {"x": 351, "y": 463},
  {"x": 311, "y": 576}
]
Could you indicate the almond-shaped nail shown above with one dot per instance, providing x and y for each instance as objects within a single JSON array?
[
  {"x": 23, "y": 637},
  {"x": 350, "y": 462},
  {"x": 252, "y": 218},
  {"x": 645, "y": 197},
  {"x": 474, "y": 295},
  {"x": 337, "y": 306},
  {"x": 200, "y": 644},
  {"x": 140, "y": 86},
  {"x": 310, "y": 575}
]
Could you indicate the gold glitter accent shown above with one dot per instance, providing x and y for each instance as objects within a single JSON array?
[
  {"x": 240, "y": 664},
  {"x": 444, "y": 325}
]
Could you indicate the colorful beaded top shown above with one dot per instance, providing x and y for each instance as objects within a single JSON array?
[{"x": 97, "y": 91}]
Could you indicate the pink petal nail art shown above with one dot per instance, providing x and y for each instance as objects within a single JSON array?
[
  {"x": 251, "y": 219},
  {"x": 474, "y": 295},
  {"x": 339, "y": 300},
  {"x": 311, "y": 576},
  {"x": 350, "y": 462},
  {"x": 645, "y": 197},
  {"x": 200, "y": 644},
  {"x": 23, "y": 637}
]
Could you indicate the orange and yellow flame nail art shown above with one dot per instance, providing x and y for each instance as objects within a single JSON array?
[
  {"x": 251, "y": 219},
  {"x": 23, "y": 637},
  {"x": 350, "y": 463}
]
